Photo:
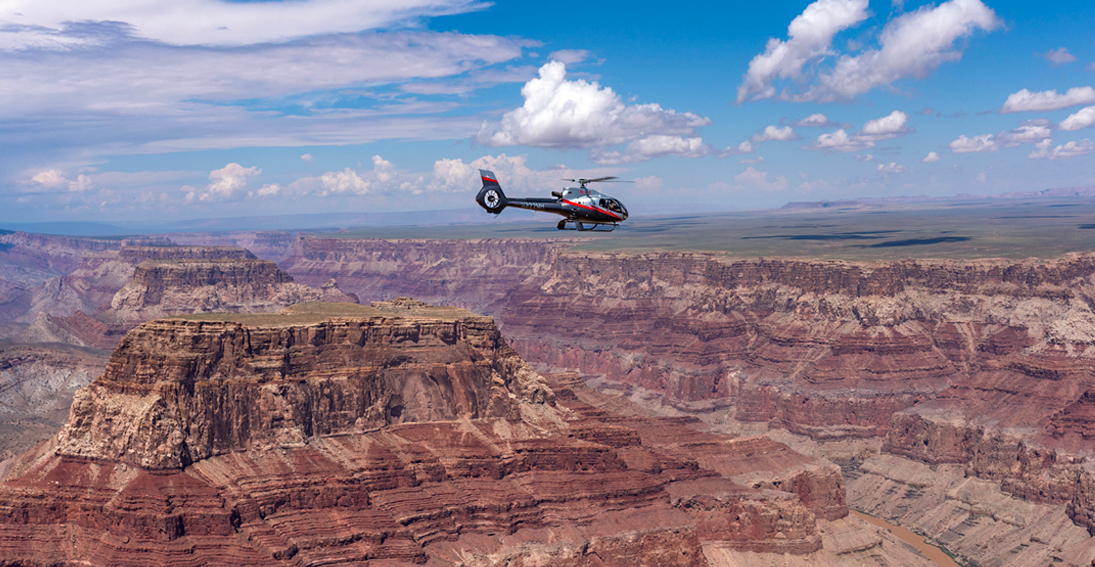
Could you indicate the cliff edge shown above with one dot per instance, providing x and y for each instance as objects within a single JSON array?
[{"x": 397, "y": 433}]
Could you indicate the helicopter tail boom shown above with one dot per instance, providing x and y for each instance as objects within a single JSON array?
[{"x": 491, "y": 197}]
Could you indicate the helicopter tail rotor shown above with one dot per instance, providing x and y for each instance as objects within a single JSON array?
[{"x": 491, "y": 197}]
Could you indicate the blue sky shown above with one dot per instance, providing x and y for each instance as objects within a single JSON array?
[{"x": 160, "y": 110}]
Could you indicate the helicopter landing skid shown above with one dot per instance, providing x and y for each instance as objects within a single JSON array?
[{"x": 585, "y": 227}]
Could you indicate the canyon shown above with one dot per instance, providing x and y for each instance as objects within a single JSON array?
[
  {"x": 977, "y": 369},
  {"x": 73, "y": 299},
  {"x": 955, "y": 396},
  {"x": 398, "y": 434}
]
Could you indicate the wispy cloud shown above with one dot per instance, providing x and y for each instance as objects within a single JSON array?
[
  {"x": 83, "y": 87},
  {"x": 1027, "y": 101},
  {"x": 1057, "y": 57},
  {"x": 816, "y": 121},
  {"x": 213, "y": 22}
]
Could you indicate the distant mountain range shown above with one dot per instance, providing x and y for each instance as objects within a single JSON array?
[
  {"x": 1056, "y": 193},
  {"x": 312, "y": 222}
]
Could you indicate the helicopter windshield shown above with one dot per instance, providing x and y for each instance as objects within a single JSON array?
[{"x": 614, "y": 206}]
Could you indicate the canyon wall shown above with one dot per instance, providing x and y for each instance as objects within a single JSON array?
[
  {"x": 401, "y": 434},
  {"x": 986, "y": 363},
  {"x": 71, "y": 321},
  {"x": 982, "y": 365},
  {"x": 164, "y": 287}
]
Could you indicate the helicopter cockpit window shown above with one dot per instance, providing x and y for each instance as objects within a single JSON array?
[{"x": 612, "y": 205}]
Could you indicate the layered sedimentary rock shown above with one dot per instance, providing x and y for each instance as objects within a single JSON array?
[
  {"x": 469, "y": 273},
  {"x": 111, "y": 291},
  {"x": 273, "y": 245},
  {"x": 30, "y": 260},
  {"x": 981, "y": 362},
  {"x": 342, "y": 434},
  {"x": 145, "y": 279},
  {"x": 163, "y": 287}
]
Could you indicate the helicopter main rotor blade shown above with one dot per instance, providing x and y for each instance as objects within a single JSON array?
[{"x": 584, "y": 181}]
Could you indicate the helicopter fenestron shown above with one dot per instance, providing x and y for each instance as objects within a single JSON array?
[{"x": 582, "y": 208}]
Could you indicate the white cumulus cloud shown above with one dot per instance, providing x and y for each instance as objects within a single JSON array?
[
  {"x": 558, "y": 113},
  {"x": 56, "y": 179},
  {"x": 1065, "y": 151},
  {"x": 911, "y": 45},
  {"x": 50, "y": 178},
  {"x": 745, "y": 147},
  {"x": 840, "y": 141},
  {"x": 1026, "y": 101},
  {"x": 891, "y": 126},
  {"x": 809, "y": 37},
  {"x": 931, "y": 157},
  {"x": 1079, "y": 120},
  {"x": 223, "y": 183},
  {"x": 887, "y": 127},
  {"x": 816, "y": 121},
  {"x": 983, "y": 143},
  {"x": 773, "y": 132},
  {"x": 345, "y": 181},
  {"x": 1027, "y": 133},
  {"x": 269, "y": 190},
  {"x": 889, "y": 169}
]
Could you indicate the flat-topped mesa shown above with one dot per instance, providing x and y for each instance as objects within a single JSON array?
[
  {"x": 137, "y": 253},
  {"x": 177, "y": 391},
  {"x": 165, "y": 287}
]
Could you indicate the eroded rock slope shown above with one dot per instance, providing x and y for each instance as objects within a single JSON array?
[
  {"x": 399, "y": 434},
  {"x": 987, "y": 364}
]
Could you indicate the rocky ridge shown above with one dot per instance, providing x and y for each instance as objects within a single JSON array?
[
  {"x": 65, "y": 345},
  {"x": 337, "y": 433}
]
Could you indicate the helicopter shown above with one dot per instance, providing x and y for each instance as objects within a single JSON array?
[{"x": 584, "y": 209}]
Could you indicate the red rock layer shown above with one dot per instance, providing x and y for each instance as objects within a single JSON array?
[
  {"x": 826, "y": 349},
  {"x": 256, "y": 442},
  {"x": 467, "y": 273}
]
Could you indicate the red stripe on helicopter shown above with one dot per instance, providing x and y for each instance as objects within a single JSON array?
[
  {"x": 594, "y": 209},
  {"x": 485, "y": 178}
]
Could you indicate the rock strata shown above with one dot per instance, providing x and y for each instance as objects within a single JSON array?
[
  {"x": 986, "y": 363},
  {"x": 397, "y": 434},
  {"x": 164, "y": 287}
]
